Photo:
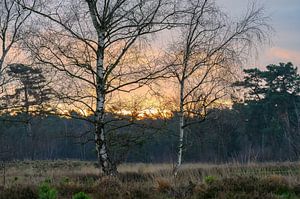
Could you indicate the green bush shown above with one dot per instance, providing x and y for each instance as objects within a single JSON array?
[
  {"x": 65, "y": 180},
  {"x": 81, "y": 195},
  {"x": 46, "y": 192},
  {"x": 209, "y": 179},
  {"x": 287, "y": 195}
]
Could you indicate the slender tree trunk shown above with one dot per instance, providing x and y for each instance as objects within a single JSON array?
[
  {"x": 297, "y": 116},
  {"x": 82, "y": 147},
  {"x": 31, "y": 140},
  {"x": 4, "y": 173},
  {"x": 28, "y": 125},
  {"x": 181, "y": 129},
  {"x": 263, "y": 145},
  {"x": 4, "y": 53},
  {"x": 1, "y": 63},
  {"x": 66, "y": 151},
  {"x": 263, "y": 138},
  {"x": 100, "y": 138}
]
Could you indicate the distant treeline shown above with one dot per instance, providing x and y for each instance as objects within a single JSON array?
[
  {"x": 226, "y": 135},
  {"x": 265, "y": 126}
]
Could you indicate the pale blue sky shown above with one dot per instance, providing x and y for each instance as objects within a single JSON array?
[{"x": 285, "y": 19}]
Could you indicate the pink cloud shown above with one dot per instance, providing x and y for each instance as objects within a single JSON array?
[{"x": 282, "y": 55}]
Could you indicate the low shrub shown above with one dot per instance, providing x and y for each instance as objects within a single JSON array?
[
  {"x": 134, "y": 177},
  {"x": 18, "y": 193},
  {"x": 67, "y": 190},
  {"x": 64, "y": 180},
  {"x": 46, "y": 192},
  {"x": 209, "y": 179},
  {"x": 108, "y": 187},
  {"x": 276, "y": 184},
  {"x": 247, "y": 187},
  {"x": 163, "y": 186},
  {"x": 81, "y": 195}
]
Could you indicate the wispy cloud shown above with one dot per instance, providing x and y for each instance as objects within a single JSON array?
[
  {"x": 285, "y": 19},
  {"x": 276, "y": 55},
  {"x": 283, "y": 55}
]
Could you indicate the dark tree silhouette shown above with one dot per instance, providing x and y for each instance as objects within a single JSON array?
[
  {"x": 30, "y": 95},
  {"x": 273, "y": 101}
]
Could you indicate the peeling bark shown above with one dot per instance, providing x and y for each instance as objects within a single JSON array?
[
  {"x": 100, "y": 136},
  {"x": 181, "y": 128}
]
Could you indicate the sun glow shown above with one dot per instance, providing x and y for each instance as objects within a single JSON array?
[{"x": 149, "y": 113}]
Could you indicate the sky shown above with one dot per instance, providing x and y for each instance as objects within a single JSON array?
[{"x": 285, "y": 20}]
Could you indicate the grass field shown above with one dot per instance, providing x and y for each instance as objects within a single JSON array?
[{"x": 64, "y": 179}]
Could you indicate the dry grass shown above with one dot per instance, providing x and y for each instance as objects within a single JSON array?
[{"x": 271, "y": 180}]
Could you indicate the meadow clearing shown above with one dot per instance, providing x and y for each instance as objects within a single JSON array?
[{"x": 79, "y": 179}]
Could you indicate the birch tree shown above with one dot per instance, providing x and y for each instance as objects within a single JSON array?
[
  {"x": 12, "y": 20},
  {"x": 204, "y": 57},
  {"x": 96, "y": 46}
]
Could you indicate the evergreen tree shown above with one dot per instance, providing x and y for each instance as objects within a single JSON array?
[
  {"x": 272, "y": 104},
  {"x": 30, "y": 89},
  {"x": 30, "y": 94}
]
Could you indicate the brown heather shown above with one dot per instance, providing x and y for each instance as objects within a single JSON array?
[{"x": 253, "y": 180}]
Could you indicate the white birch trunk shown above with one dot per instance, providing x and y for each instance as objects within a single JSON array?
[
  {"x": 181, "y": 128},
  {"x": 181, "y": 135},
  {"x": 100, "y": 137}
]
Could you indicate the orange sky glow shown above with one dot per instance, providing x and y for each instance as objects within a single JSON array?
[{"x": 142, "y": 104}]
